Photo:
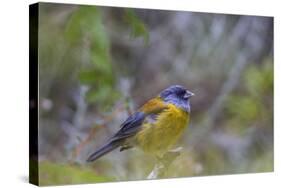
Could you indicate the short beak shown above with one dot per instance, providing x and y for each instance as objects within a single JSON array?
[
  {"x": 191, "y": 94},
  {"x": 188, "y": 94}
]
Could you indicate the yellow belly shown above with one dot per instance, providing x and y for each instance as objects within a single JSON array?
[{"x": 158, "y": 137}]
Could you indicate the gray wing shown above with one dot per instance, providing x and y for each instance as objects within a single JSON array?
[{"x": 130, "y": 127}]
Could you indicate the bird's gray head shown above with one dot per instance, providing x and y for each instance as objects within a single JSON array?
[{"x": 178, "y": 96}]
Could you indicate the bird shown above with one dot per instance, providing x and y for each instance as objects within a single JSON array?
[{"x": 155, "y": 127}]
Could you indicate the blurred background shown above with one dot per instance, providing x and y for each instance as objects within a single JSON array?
[{"x": 97, "y": 65}]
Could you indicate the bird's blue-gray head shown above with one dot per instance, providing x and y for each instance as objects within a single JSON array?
[{"x": 178, "y": 96}]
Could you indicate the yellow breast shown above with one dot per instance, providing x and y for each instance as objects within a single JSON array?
[{"x": 158, "y": 137}]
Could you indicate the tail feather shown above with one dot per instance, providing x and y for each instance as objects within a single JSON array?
[{"x": 102, "y": 151}]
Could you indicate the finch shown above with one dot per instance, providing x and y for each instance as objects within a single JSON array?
[{"x": 155, "y": 127}]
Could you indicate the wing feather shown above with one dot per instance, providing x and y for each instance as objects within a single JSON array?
[
  {"x": 134, "y": 122},
  {"x": 130, "y": 127}
]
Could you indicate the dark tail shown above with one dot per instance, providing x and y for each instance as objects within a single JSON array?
[{"x": 102, "y": 151}]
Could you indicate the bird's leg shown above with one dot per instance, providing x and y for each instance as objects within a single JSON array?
[{"x": 125, "y": 147}]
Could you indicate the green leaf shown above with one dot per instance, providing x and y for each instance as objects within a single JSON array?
[
  {"x": 86, "y": 26},
  {"x": 95, "y": 77},
  {"x": 137, "y": 26},
  {"x": 100, "y": 94}
]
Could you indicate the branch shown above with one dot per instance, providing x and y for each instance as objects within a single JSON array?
[{"x": 163, "y": 163}]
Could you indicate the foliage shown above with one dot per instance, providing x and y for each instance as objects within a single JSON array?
[
  {"x": 254, "y": 105},
  {"x": 60, "y": 174},
  {"x": 138, "y": 28},
  {"x": 86, "y": 24},
  {"x": 259, "y": 80}
]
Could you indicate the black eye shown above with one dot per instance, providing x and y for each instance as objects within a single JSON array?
[{"x": 181, "y": 93}]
